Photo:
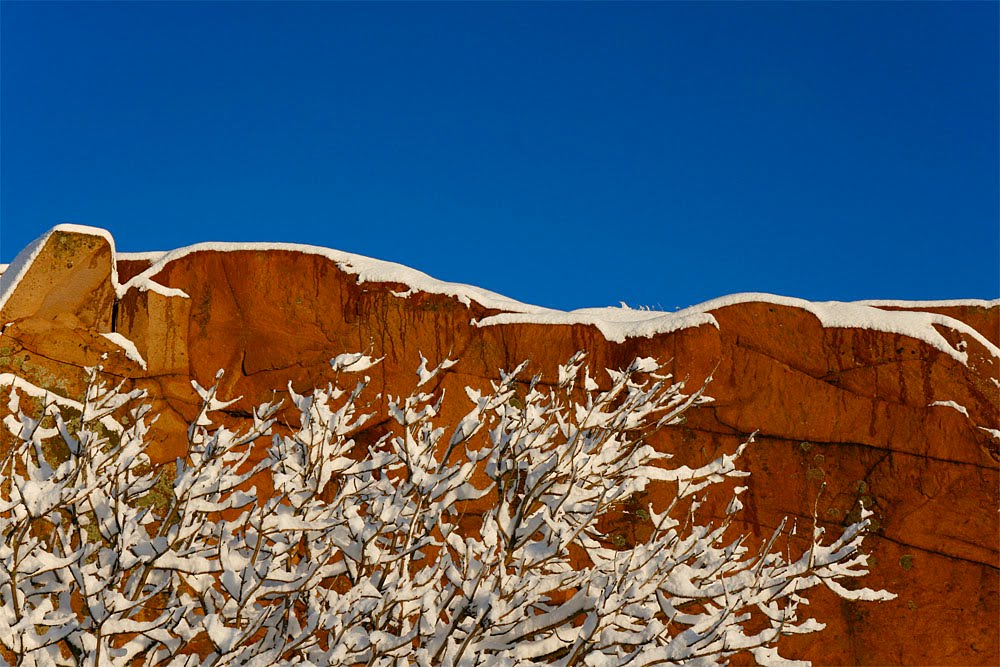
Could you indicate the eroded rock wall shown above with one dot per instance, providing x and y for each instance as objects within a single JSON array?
[{"x": 842, "y": 414}]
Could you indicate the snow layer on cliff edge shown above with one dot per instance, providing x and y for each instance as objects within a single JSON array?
[
  {"x": 943, "y": 303},
  {"x": 148, "y": 255},
  {"x": 617, "y": 324},
  {"x": 15, "y": 271},
  {"x": 366, "y": 269}
]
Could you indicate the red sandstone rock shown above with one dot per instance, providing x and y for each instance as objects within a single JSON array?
[
  {"x": 72, "y": 274},
  {"x": 848, "y": 407}
]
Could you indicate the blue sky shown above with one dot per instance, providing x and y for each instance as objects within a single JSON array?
[{"x": 563, "y": 154}]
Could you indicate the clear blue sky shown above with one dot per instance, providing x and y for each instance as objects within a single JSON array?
[{"x": 563, "y": 154}]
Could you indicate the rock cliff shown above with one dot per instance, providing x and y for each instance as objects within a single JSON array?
[{"x": 894, "y": 403}]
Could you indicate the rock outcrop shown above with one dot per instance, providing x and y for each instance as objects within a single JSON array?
[
  {"x": 893, "y": 403},
  {"x": 65, "y": 273}
]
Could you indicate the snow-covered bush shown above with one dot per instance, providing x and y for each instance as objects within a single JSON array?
[{"x": 377, "y": 557}]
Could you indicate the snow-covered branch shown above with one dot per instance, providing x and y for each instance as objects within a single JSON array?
[{"x": 466, "y": 544}]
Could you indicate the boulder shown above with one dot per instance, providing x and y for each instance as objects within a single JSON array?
[{"x": 69, "y": 270}]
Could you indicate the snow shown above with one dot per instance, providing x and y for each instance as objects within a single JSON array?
[
  {"x": 615, "y": 324},
  {"x": 128, "y": 346},
  {"x": 366, "y": 270},
  {"x": 992, "y": 431},
  {"x": 149, "y": 255},
  {"x": 950, "y": 404},
  {"x": 17, "y": 269},
  {"x": 29, "y": 389},
  {"x": 508, "y": 592},
  {"x": 11, "y": 380},
  {"x": 944, "y": 303},
  {"x": 424, "y": 375},
  {"x": 353, "y": 362}
]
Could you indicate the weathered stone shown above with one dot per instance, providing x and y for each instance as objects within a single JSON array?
[
  {"x": 158, "y": 325},
  {"x": 844, "y": 415},
  {"x": 72, "y": 274}
]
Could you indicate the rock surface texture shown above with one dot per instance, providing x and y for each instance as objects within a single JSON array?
[{"x": 895, "y": 404}]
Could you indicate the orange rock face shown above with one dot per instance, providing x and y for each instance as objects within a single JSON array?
[
  {"x": 72, "y": 275},
  {"x": 843, "y": 414}
]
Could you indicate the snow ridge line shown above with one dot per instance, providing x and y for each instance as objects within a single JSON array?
[{"x": 615, "y": 324}]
